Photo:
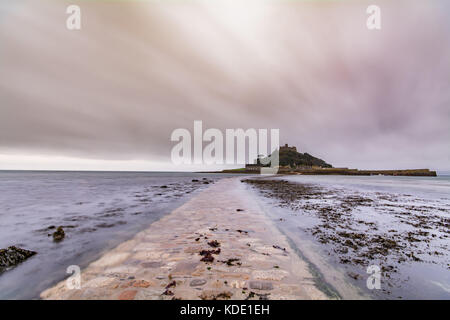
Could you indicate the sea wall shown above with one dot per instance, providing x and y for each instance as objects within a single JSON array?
[{"x": 346, "y": 171}]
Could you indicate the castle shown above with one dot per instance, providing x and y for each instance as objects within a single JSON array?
[
  {"x": 287, "y": 148},
  {"x": 256, "y": 166}
]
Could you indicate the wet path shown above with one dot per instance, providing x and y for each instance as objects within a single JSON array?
[{"x": 218, "y": 245}]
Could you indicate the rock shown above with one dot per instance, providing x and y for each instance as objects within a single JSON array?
[
  {"x": 167, "y": 292},
  {"x": 59, "y": 234},
  {"x": 148, "y": 294},
  {"x": 215, "y": 295},
  {"x": 12, "y": 256},
  {"x": 207, "y": 257},
  {"x": 99, "y": 282},
  {"x": 197, "y": 282},
  {"x": 231, "y": 261},
  {"x": 353, "y": 275},
  {"x": 278, "y": 247},
  {"x": 261, "y": 285},
  {"x": 238, "y": 284},
  {"x": 194, "y": 180},
  {"x": 141, "y": 284},
  {"x": 275, "y": 274},
  {"x": 171, "y": 284},
  {"x": 152, "y": 264},
  {"x": 128, "y": 295},
  {"x": 185, "y": 267},
  {"x": 205, "y": 182},
  {"x": 214, "y": 243},
  {"x": 113, "y": 259}
]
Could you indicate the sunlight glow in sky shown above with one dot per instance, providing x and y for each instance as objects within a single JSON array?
[{"x": 110, "y": 95}]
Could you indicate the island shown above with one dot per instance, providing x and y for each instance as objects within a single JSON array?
[{"x": 293, "y": 162}]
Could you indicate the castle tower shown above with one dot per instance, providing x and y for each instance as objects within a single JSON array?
[{"x": 287, "y": 148}]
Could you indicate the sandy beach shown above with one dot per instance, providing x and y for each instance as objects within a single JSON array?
[{"x": 218, "y": 245}]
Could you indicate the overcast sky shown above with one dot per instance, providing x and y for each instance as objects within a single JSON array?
[{"x": 109, "y": 96}]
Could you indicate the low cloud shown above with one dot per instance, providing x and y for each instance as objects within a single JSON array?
[{"x": 115, "y": 90}]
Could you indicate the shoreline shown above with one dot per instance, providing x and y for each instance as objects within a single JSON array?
[
  {"x": 329, "y": 278},
  {"x": 218, "y": 245},
  {"x": 340, "y": 172},
  {"x": 119, "y": 204},
  {"x": 343, "y": 228}
]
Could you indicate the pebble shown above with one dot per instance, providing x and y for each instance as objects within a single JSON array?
[
  {"x": 128, "y": 295},
  {"x": 261, "y": 285},
  {"x": 269, "y": 274},
  {"x": 152, "y": 264},
  {"x": 197, "y": 282}
]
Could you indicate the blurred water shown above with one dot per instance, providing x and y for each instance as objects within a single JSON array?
[{"x": 97, "y": 209}]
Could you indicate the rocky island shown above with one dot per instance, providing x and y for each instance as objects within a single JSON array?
[{"x": 293, "y": 162}]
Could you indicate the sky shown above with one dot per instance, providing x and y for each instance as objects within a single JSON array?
[{"x": 108, "y": 96}]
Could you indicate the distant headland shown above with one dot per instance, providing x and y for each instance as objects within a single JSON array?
[{"x": 293, "y": 162}]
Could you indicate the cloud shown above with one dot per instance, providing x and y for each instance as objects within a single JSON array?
[{"x": 115, "y": 90}]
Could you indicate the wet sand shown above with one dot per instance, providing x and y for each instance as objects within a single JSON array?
[
  {"x": 344, "y": 230},
  {"x": 218, "y": 245}
]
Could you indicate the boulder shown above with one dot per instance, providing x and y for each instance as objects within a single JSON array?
[
  {"x": 59, "y": 234},
  {"x": 12, "y": 256}
]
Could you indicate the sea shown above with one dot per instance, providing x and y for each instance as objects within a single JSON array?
[
  {"x": 406, "y": 216},
  {"x": 97, "y": 210}
]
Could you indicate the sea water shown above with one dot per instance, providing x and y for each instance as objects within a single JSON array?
[{"x": 98, "y": 210}]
